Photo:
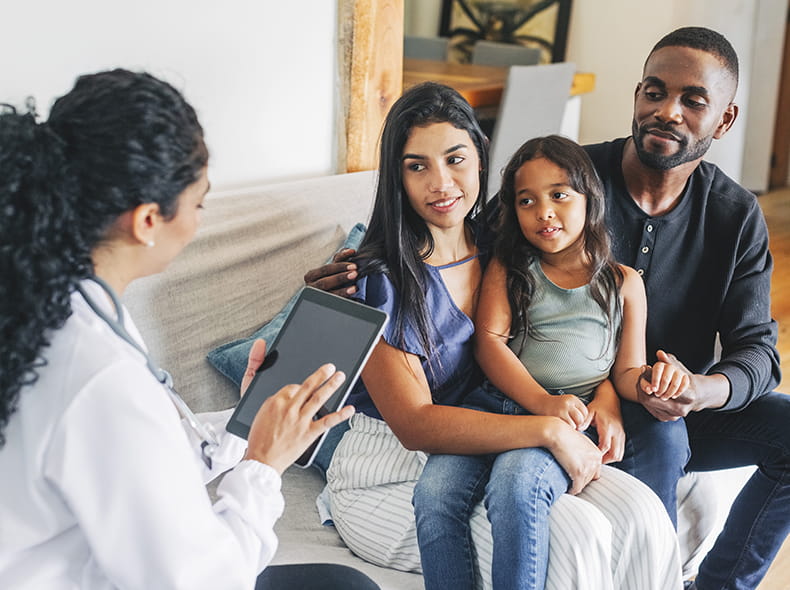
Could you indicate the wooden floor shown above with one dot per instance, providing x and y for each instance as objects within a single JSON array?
[{"x": 776, "y": 207}]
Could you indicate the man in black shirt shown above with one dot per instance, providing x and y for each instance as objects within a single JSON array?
[{"x": 700, "y": 242}]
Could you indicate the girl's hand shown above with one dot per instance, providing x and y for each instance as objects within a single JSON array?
[
  {"x": 577, "y": 455},
  {"x": 568, "y": 408},
  {"x": 664, "y": 381},
  {"x": 611, "y": 434},
  {"x": 285, "y": 426}
]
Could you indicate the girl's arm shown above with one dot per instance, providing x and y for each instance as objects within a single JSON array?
[
  {"x": 608, "y": 422},
  {"x": 398, "y": 386},
  {"x": 630, "y": 361},
  {"x": 501, "y": 365}
]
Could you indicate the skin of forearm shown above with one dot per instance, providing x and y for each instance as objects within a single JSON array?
[{"x": 452, "y": 430}]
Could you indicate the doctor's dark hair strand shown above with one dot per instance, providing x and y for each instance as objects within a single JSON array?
[{"x": 117, "y": 140}]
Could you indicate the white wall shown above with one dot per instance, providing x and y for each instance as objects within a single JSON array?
[
  {"x": 261, "y": 74},
  {"x": 611, "y": 38}
]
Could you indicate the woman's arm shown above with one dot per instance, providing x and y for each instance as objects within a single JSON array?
[{"x": 500, "y": 364}]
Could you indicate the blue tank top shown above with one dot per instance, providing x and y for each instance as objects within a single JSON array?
[
  {"x": 570, "y": 348},
  {"x": 453, "y": 371}
]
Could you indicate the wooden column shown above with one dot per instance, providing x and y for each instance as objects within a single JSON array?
[{"x": 371, "y": 62}]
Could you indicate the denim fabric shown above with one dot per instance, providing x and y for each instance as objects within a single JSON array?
[
  {"x": 655, "y": 452},
  {"x": 519, "y": 488},
  {"x": 759, "y": 520}
]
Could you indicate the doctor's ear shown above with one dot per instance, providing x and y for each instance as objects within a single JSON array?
[{"x": 145, "y": 220}]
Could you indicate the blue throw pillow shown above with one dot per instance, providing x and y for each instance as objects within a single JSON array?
[{"x": 231, "y": 359}]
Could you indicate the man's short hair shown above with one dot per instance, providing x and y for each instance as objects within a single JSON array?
[{"x": 705, "y": 40}]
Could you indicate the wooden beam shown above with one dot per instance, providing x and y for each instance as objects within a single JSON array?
[{"x": 374, "y": 73}]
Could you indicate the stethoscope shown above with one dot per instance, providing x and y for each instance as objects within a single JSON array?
[{"x": 204, "y": 432}]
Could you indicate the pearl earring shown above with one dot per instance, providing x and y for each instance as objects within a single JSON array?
[{"x": 150, "y": 243}]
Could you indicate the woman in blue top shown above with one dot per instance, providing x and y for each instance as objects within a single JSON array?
[
  {"x": 557, "y": 319},
  {"x": 422, "y": 261}
]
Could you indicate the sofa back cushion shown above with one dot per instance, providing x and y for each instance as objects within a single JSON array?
[{"x": 247, "y": 259}]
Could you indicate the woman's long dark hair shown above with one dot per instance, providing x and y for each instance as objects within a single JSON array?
[
  {"x": 398, "y": 240},
  {"x": 117, "y": 140},
  {"x": 516, "y": 254}
]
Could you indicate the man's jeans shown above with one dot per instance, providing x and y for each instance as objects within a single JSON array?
[
  {"x": 655, "y": 452},
  {"x": 759, "y": 520},
  {"x": 519, "y": 488}
]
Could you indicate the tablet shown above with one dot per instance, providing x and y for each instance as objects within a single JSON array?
[{"x": 321, "y": 328}]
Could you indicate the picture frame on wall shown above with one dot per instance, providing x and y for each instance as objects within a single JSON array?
[{"x": 532, "y": 23}]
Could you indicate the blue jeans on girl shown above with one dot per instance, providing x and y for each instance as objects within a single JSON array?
[{"x": 518, "y": 487}]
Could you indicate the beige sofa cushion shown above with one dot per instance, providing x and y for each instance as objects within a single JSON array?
[{"x": 248, "y": 258}]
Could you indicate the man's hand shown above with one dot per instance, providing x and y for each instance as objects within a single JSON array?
[
  {"x": 703, "y": 392},
  {"x": 337, "y": 277}
]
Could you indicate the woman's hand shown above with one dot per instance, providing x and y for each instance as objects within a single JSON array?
[
  {"x": 337, "y": 277},
  {"x": 577, "y": 455},
  {"x": 284, "y": 426},
  {"x": 257, "y": 354}
]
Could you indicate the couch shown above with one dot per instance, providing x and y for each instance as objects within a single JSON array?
[{"x": 247, "y": 260}]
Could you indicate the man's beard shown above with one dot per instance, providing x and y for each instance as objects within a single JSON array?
[{"x": 685, "y": 153}]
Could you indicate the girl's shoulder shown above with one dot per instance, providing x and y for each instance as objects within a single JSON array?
[{"x": 633, "y": 285}]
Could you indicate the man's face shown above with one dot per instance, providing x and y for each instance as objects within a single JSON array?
[{"x": 683, "y": 102}]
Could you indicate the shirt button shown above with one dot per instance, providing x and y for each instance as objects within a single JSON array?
[
  {"x": 645, "y": 249},
  {"x": 640, "y": 271},
  {"x": 649, "y": 228}
]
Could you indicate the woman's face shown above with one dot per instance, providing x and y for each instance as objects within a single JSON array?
[
  {"x": 441, "y": 174},
  {"x": 177, "y": 232}
]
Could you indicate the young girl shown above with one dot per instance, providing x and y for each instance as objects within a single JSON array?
[
  {"x": 556, "y": 317},
  {"x": 422, "y": 261}
]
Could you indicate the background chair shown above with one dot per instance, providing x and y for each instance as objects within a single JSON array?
[
  {"x": 425, "y": 47},
  {"x": 533, "y": 104},
  {"x": 490, "y": 53}
]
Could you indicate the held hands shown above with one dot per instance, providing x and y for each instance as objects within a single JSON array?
[
  {"x": 284, "y": 427},
  {"x": 336, "y": 277},
  {"x": 667, "y": 379},
  {"x": 689, "y": 397}
]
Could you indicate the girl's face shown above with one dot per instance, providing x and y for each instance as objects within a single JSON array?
[
  {"x": 441, "y": 174},
  {"x": 550, "y": 213}
]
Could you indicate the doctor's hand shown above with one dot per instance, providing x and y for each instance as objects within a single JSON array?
[{"x": 284, "y": 427}]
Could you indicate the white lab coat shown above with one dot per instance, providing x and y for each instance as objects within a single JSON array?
[{"x": 103, "y": 488}]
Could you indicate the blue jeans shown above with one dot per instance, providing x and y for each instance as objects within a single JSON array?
[
  {"x": 519, "y": 487},
  {"x": 759, "y": 520},
  {"x": 655, "y": 452}
]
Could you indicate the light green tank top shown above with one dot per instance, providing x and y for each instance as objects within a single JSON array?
[{"x": 570, "y": 348}]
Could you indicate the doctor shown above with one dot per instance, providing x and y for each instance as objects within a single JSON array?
[{"x": 103, "y": 482}]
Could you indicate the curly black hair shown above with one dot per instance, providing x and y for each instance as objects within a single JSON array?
[{"x": 118, "y": 139}]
